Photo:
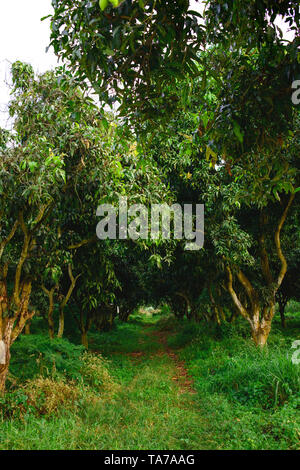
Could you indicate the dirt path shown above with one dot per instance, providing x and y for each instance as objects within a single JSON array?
[
  {"x": 160, "y": 393},
  {"x": 182, "y": 377},
  {"x": 157, "y": 405}
]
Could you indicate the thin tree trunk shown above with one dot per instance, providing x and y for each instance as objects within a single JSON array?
[
  {"x": 282, "y": 315},
  {"x": 84, "y": 339},
  {"x": 65, "y": 301},
  {"x": 61, "y": 323},
  {"x": 84, "y": 327},
  {"x": 51, "y": 325},
  {"x": 234, "y": 316},
  {"x": 124, "y": 315},
  {"x": 27, "y": 328},
  {"x": 187, "y": 308},
  {"x": 215, "y": 307},
  {"x": 50, "y": 320}
]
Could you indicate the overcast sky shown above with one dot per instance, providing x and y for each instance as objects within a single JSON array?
[{"x": 24, "y": 37}]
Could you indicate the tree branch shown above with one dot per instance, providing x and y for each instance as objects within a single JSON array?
[
  {"x": 8, "y": 238},
  {"x": 278, "y": 243},
  {"x": 265, "y": 265},
  {"x": 82, "y": 243},
  {"x": 235, "y": 298}
]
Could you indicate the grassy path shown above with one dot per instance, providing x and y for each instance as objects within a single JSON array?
[
  {"x": 139, "y": 394},
  {"x": 153, "y": 405},
  {"x": 157, "y": 407}
]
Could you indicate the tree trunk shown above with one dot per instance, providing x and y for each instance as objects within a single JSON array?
[
  {"x": 50, "y": 320},
  {"x": 234, "y": 316},
  {"x": 282, "y": 315},
  {"x": 4, "y": 364},
  {"x": 124, "y": 314},
  {"x": 218, "y": 312},
  {"x": 282, "y": 302},
  {"x": 3, "y": 376},
  {"x": 14, "y": 309},
  {"x": 184, "y": 308},
  {"x": 216, "y": 316},
  {"x": 260, "y": 335},
  {"x": 66, "y": 299},
  {"x": 84, "y": 327},
  {"x": 261, "y": 324},
  {"x": 84, "y": 339},
  {"x": 260, "y": 321},
  {"x": 51, "y": 326},
  {"x": 61, "y": 324},
  {"x": 27, "y": 328}
]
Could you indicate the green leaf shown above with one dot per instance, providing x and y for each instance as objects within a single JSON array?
[
  {"x": 32, "y": 166},
  {"x": 237, "y": 130}
]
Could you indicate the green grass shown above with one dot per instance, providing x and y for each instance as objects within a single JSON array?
[
  {"x": 146, "y": 411},
  {"x": 128, "y": 399},
  {"x": 251, "y": 397}
]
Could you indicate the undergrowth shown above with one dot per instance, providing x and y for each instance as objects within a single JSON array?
[{"x": 61, "y": 397}]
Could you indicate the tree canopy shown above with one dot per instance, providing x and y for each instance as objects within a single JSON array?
[{"x": 201, "y": 112}]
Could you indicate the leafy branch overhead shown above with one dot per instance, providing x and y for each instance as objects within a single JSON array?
[{"x": 128, "y": 53}]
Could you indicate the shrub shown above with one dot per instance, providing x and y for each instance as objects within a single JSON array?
[
  {"x": 34, "y": 355},
  {"x": 95, "y": 373},
  {"x": 68, "y": 378},
  {"x": 47, "y": 396},
  {"x": 14, "y": 404}
]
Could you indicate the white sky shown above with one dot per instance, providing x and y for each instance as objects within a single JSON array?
[{"x": 24, "y": 37}]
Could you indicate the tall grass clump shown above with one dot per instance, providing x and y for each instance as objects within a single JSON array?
[
  {"x": 52, "y": 377},
  {"x": 251, "y": 396}
]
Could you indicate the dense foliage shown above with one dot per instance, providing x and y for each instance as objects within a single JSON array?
[{"x": 157, "y": 103}]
